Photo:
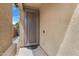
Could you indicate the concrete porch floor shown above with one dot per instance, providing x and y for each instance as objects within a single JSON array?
[{"x": 31, "y": 52}]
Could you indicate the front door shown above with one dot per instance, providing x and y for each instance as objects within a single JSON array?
[{"x": 32, "y": 27}]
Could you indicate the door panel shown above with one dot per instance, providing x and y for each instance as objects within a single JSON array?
[{"x": 32, "y": 28}]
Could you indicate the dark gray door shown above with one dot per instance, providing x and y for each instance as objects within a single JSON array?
[{"x": 32, "y": 18}]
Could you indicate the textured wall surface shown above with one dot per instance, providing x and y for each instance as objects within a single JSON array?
[
  {"x": 22, "y": 20},
  {"x": 70, "y": 44},
  {"x": 54, "y": 20},
  {"x": 5, "y": 27}
]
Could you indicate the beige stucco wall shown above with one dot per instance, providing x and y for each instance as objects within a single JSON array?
[
  {"x": 54, "y": 19},
  {"x": 22, "y": 18},
  {"x": 70, "y": 44},
  {"x": 5, "y": 27}
]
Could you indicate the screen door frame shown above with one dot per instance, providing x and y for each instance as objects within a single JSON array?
[{"x": 26, "y": 30}]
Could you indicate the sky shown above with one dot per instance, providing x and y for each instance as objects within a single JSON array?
[{"x": 15, "y": 14}]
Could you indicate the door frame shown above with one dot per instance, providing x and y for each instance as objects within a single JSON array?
[{"x": 26, "y": 26}]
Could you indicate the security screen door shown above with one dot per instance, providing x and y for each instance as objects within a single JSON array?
[{"x": 32, "y": 27}]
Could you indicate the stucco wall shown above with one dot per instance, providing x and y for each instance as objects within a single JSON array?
[
  {"x": 54, "y": 19},
  {"x": 5, "y": 27},
  {"x": 70, "y": 44},
  {"x": 22, "y": 18}
]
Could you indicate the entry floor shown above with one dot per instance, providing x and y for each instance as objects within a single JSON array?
[{"x": 31, "y": 52}]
